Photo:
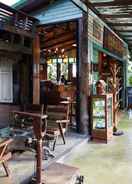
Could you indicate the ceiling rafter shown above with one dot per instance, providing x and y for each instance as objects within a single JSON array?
[
  {"x": 61, "y": 44},
  {"x": 57, "y": 36},
  {"x": 59, "y": 40},
  {"x": 125, "y": 31},
  {"x": 118, "y": 14},
  {"x": 120, "y": 24},
  {"x": 113, "y": 3},
  {"x": 128, "y": 15}
]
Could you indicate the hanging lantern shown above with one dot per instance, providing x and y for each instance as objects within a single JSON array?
[
  {"x": 65, "y": 60},
  {"x": 49, "y": 61}
]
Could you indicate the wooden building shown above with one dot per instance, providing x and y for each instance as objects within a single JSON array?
[
  {"x": 70, "y": 34},
  {"x": 16, "y": 36}
]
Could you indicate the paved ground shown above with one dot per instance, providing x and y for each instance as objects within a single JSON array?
[
  {"x": 100, "y": 163},
  {"x": 22, "y": 166},
  {"x": 107, "y": 163}
]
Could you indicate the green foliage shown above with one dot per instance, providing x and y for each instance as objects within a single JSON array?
[{"x": 130, "y": 80}]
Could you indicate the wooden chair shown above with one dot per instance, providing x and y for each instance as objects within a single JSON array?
[
  {"x": 5, "y": 155},
  {"x": 20, "y": 122},
  {"x": 34, "y": 108},
  {"x": 57, "y": 121}
]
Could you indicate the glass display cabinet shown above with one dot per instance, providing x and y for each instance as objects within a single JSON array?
[{"x": 102, "y": 117}]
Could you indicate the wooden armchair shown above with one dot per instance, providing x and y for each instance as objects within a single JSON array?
[
  {"x": 5, "y": 155},
  {"x": 20, "y": 122},
  {"x": 58, "y": 120}
]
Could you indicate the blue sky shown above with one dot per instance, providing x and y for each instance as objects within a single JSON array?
[{"x": 9, "y": 2}]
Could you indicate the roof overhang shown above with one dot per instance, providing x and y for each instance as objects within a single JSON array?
[{"x": 117, "y": 14}]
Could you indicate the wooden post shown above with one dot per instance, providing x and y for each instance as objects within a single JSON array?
[
  {"x": 36, "y": 70},
  {"x": 84, "y": 70},
  {"x": 58, "y": 71},
  {"x": 39, "y": 128},
  {"x": 39, "y": 146}
]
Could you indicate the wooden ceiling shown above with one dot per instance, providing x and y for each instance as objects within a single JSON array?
[
  {"x": 58, "y": 39},
  {"x": 117, "y": 14}
]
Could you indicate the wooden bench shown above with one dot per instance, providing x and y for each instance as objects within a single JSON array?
[{"x": 58, "y": 120}]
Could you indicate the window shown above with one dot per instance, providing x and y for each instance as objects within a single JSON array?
[
  {"x": 6, "y": 81},
  {"x": 74, "y": 70},
  {"x": 52, "y": 71},
  {"x": 64, "y": 70}
]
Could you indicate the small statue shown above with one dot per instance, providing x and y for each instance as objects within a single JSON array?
[{"x": 101, "y": 87}]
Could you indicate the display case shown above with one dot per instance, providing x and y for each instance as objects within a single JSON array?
[{"x": 102, "y": 117}]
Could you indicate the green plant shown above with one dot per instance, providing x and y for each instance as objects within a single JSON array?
[{"x": 130, "y": 80}]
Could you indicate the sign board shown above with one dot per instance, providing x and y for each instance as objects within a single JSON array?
[
  {"x": 113, "y": 44},
  {"x": 98, "y": 30},
  {"x": 95, "y": 29}
]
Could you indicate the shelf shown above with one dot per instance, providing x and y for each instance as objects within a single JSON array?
[{"x": 101, "y": 124}]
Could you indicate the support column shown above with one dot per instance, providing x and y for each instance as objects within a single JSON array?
[
  {"x": 36, "y": 70},
  {"x": 83, "y": 73}
]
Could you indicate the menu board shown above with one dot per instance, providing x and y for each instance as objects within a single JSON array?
[{"x": 113, "y": 43}]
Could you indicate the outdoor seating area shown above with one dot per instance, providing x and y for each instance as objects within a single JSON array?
[
  {"x": 65, "y": 79},
  {"x": 25, "y": 161}
]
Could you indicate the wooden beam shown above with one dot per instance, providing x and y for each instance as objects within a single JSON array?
[
  {"x": 15, "y": 48},
  {"x": 61, "y": 44},
  {"x": 129, "y": 24},
  {"x": 12, "y": 29},
  {"x": 127, "y": 36},
  {"x": 10, "y": 9},
  {"x": 128, "y": 39},
  {"x": 113, "y": 3},
  {"x": 58, "y": 41},
  {"x": 36, "y": 70},
  {"x": 114, "y": 16},
  {"x": 125, "y": 31},
  {"x": 58, "y": 36}
]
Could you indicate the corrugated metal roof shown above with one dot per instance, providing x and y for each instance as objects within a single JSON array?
[
  {"x": 19, "y": 4},
  {"x": 118, "y": 15},
  {"x": 58, "y": 11}
]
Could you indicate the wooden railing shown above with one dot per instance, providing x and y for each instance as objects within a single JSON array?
[{"x": 10, "y": 17}]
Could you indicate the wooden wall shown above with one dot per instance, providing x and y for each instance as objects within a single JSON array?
[{"x": 5, "y": 114}]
